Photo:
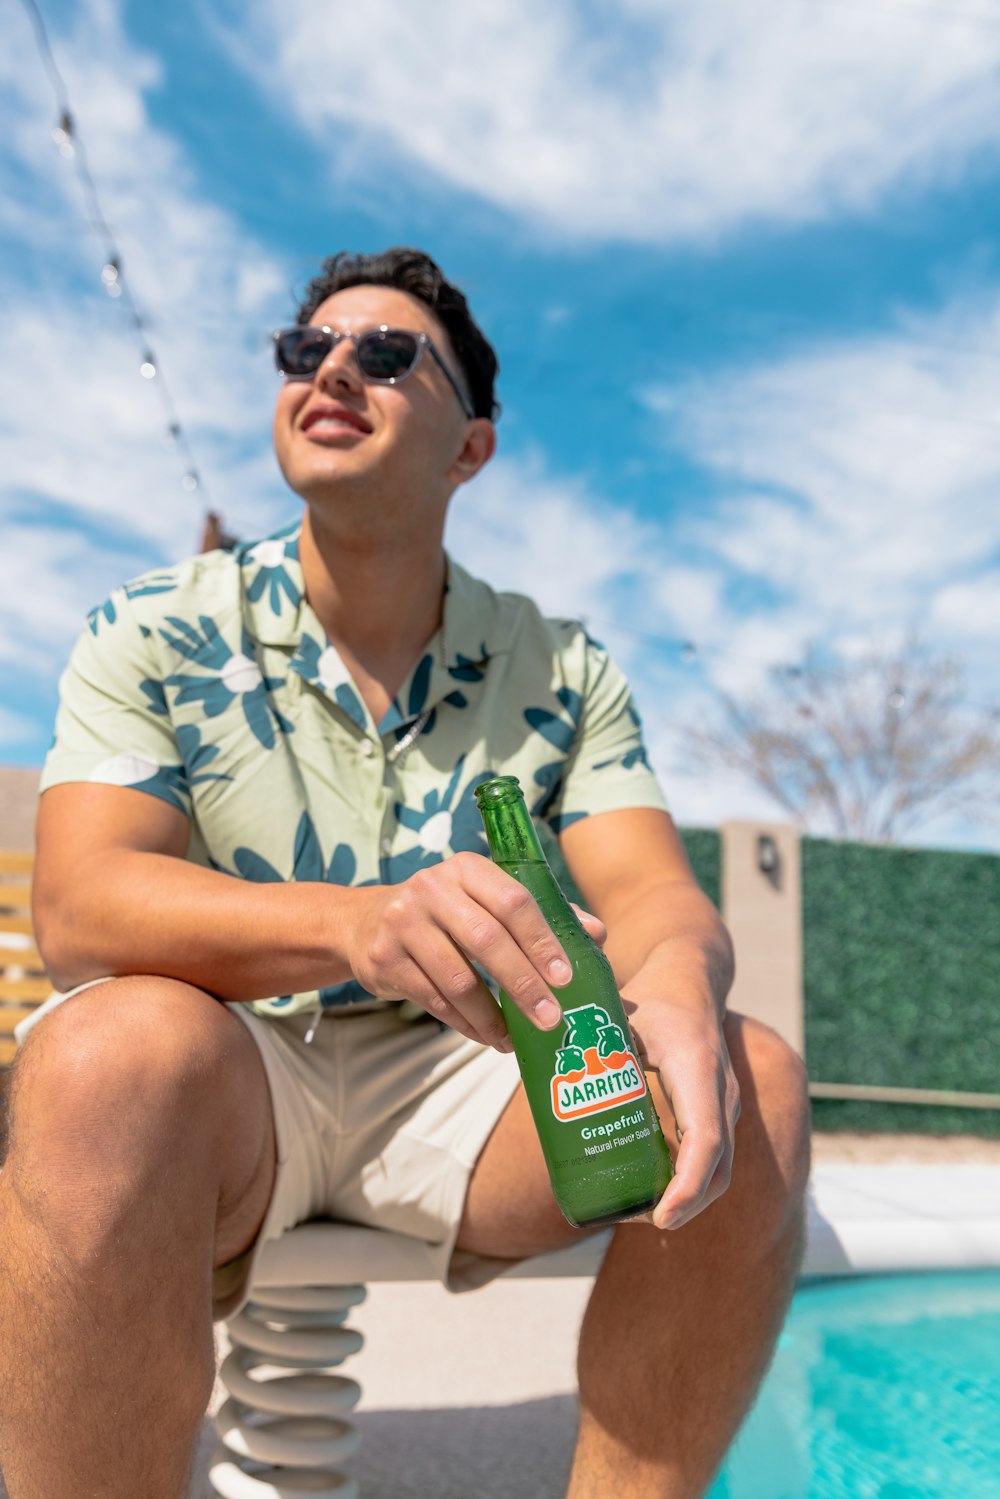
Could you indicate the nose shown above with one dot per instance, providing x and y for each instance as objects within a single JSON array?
[{"x": 340, "y": 370}]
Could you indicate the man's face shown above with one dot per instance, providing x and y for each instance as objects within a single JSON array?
[{"x": 338, "y": 432}]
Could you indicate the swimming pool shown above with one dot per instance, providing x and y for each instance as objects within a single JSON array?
[{"x": 882, "y": 1387}]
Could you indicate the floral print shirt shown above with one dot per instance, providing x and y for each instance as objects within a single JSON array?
[{"x": 213, "y": 686}]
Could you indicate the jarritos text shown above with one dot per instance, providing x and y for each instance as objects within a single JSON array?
[{"x": 595, "y": 1066}]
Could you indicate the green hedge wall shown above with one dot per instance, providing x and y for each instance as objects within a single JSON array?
[
  {"x": 704, "y": 849},
  {"x": 902, "y": 980}
]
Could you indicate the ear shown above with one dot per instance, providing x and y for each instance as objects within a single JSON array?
[{"x": 477, "y": 450}]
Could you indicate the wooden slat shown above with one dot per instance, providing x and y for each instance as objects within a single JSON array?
[
  {"x": 21, "y": 996},
  {"x": 25, "y": 961},
  {"x": 11, "y": 1017},
  {"x": 27, "y": 990},
  {"x": 15, "y": 897},
  {"x": 15, "y": 861},
  {"x": 16, "y": 924}
]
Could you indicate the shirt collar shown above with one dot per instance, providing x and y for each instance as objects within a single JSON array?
[{"x": 277, "y": 613}]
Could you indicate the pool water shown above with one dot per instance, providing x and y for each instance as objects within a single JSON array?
[{"x": 882, "y": 1387}]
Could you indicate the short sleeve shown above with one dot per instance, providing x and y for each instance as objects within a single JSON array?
[
  {"x": 113, "y": 726},
  {"x": 608, "y": 768}
]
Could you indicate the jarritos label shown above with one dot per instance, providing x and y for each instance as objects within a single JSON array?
[{"x": 595, "y": 1066}]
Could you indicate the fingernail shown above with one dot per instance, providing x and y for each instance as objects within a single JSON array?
[
  {"x": 548, "y": 1013},
  {"x": 560, "y": 972},
  {"x": 505, "y": 1044}
]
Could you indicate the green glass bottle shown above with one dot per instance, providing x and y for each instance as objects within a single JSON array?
[{"x": 599, "y": 1129}]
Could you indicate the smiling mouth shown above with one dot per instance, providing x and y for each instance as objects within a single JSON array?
[
  {"x": 333, "y": 426},
  {"x": 334, "y": 419}
]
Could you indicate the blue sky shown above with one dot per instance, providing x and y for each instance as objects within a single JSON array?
[{"x": 741, "y": 265}]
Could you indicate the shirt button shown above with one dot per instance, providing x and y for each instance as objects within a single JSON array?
[
  {"x": 367, "y": 748},
  {"x": 386, "y": 845}
]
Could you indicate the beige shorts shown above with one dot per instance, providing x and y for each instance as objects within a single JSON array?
[{"x": 379, "y": 1121}]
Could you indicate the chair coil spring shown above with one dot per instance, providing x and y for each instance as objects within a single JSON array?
[{"x": 284, "y": 1433}]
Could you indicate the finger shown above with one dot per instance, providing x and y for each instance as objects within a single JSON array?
[
  {"x": 698, "y": 1160},
  {"x": 414, "y": 984},
  {"x": 453, "y": 977},
  {"x": 705, "y": 1154},
  {"x": 489, "y": 940},
  {"x": 517, "y": 911},
  {"x": 592, "y": 925}
]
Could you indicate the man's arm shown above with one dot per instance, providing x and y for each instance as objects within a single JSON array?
[
  {"x": 674, "y": 962},
  {"x": 114, "y": 895}
]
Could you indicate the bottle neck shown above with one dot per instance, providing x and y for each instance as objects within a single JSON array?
[{"x": 511, "y": 832}]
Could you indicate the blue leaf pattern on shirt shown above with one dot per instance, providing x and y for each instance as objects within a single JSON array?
[
  {"x": 551, "y": 727},
  {"x": 306, "y": 662},
  {"x": 105, "y": 611},
  {"x": 419, "y": 686},
  {"x": 197, "y": 756},
  {"x": 564, "y": 820},
  {"x": 169, "y": 783},
  {"x": 272, "y": 578},
  {"x": 153, "y": 583},
  {"x": 153, "y": 690},
  {"x": 276, "y": 582},
  {"x": 559, "y": 732},
  {"x": 208, "y": 648},
  {"x": 466, "y": 669}
]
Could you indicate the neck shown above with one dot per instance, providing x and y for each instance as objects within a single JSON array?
[{"x": 379, "y": 603}]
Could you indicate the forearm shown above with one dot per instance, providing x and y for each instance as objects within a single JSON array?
[
  {"x": 132, "y": 912},
  {"x": 670, "y": 943}
]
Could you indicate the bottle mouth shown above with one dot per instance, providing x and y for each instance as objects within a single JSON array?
[{"x": 497, "y": 790}]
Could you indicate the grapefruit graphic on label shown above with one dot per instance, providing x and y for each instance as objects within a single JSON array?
[{"x": 596, "y": 1068}]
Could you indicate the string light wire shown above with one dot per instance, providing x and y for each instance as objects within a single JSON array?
[{"x": 67, "y": 137}]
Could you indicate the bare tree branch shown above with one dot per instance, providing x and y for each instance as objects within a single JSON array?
[{"x": 869, "y": 748}]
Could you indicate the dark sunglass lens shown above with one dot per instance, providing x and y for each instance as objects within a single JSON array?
[
  {"x": 301, "y": 351},
  {"x": 387, "y": 356}
]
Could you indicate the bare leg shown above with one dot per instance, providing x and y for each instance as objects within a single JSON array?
[
  {"x": 681, "y": 1325},
  {"x": 141, "y": 1154}
]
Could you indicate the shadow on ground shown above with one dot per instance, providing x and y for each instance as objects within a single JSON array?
[{"x": 494, "y": 1452}]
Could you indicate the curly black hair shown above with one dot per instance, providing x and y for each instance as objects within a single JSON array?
[{"x": 416, "y": 273}]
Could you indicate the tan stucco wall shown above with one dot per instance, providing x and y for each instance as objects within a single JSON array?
[
  {"x": 18, "y": 801},
  {"x": 763, "y": 911}
]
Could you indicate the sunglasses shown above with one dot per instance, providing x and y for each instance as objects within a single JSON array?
[{"x": 385, "y": 355}]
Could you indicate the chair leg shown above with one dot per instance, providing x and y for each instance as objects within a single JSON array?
[{"x": 284, "y": 1431}]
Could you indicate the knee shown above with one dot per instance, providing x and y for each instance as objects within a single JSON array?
[
  {"x": 112, "y": 1073},
  {"x": 773, "y": 1133}
]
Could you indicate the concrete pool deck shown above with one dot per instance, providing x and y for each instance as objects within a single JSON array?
[{"x": 467, "y": 1395}]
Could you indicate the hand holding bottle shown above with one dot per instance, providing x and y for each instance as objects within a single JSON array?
[
  {"x": 419, "y": 940},
  {"x": 685, "y": 1046}
]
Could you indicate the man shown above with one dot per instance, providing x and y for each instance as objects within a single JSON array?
[{"x": 260, "y": 795}]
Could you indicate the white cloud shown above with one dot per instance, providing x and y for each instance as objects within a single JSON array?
[
  {"x": 663, "y": 123},
  {"x": 82, "y": 436},
  {"x": 971, "y": 609},
  {"x": 527, "y": 531},
  {"x": 859, "y": 482},
  {"x": 15, "y": 727}
]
